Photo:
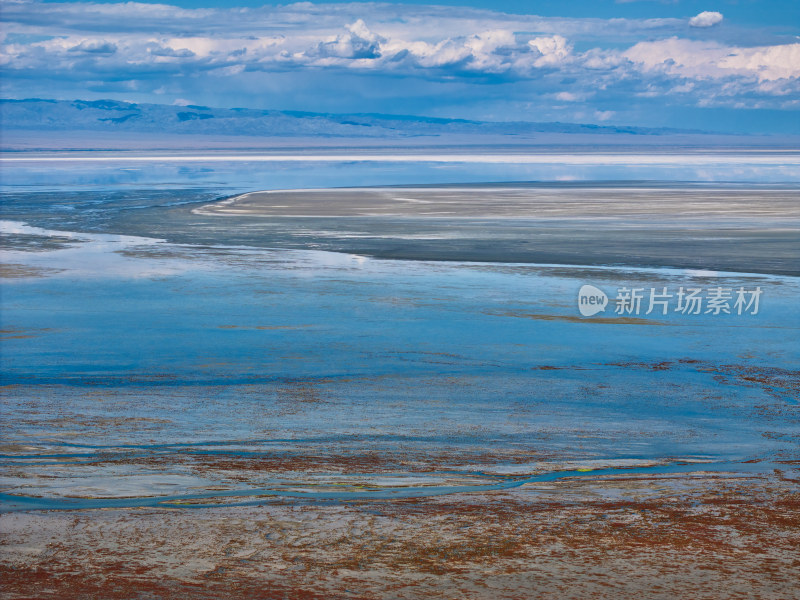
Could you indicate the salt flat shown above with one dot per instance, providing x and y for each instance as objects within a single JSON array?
[{"x": 733, "y": 228}]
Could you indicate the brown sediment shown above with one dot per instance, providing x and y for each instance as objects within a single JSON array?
[
  {"x": 31, "y": 242},
  {"x": 778, "y": 382},
  {"x": 771, "y": 379},
  {"x": 18, "y": 271},
  {"x": 300, "y": 392},
  {"x": 247, "y": 468},
  {"x": 577, "y": 319},
  {"x": 20, "y": 334},
  {"x": 171, "y": 252},
  {"x": 423, "y": 461},
  {"x": 652, "y": 366},
  {"x": 698, "y": 536},
  {"x": 263, "y": 327}
]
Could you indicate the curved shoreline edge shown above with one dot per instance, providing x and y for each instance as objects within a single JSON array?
[{"x": 738, "y": 230}]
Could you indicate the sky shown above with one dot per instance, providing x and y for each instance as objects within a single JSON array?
[{"x": 722, "y": 65}]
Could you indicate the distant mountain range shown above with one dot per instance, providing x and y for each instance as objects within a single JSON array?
[{"x": 114, "y": 116}]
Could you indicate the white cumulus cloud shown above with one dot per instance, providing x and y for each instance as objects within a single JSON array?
[
  {"x": 552, "y": 49},
  {"x": 358, "y": 42},
  {"x": 706, "y": 18},
  {"x": 711, "y": 60}
]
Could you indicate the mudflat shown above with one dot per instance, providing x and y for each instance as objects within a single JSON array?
[
  {"x": 708, "y": 535},
  {"x": 754, "y": 229}
]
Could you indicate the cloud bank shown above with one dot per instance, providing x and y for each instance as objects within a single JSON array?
[{"x": 387, "y": 53}]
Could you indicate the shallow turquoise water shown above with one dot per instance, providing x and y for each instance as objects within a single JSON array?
[{"x": 128, "y": 360}]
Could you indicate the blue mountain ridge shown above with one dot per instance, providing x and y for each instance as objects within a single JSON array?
[{"x": 113, "y": 115}]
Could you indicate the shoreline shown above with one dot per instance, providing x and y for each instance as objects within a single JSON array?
[
  {"x": 740, "y": 230},
  {"x": 74, "y": 239}
]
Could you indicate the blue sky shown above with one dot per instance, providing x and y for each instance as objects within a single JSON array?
[
  {"x": 728, "y": 65},
  {"x": 747, "y": 12}
]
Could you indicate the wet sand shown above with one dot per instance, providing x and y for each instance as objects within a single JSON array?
[
  {"x": 629, "y": 201},
  {"x": 716, "y": 228},
  {"x": 707, "y": 536}
]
